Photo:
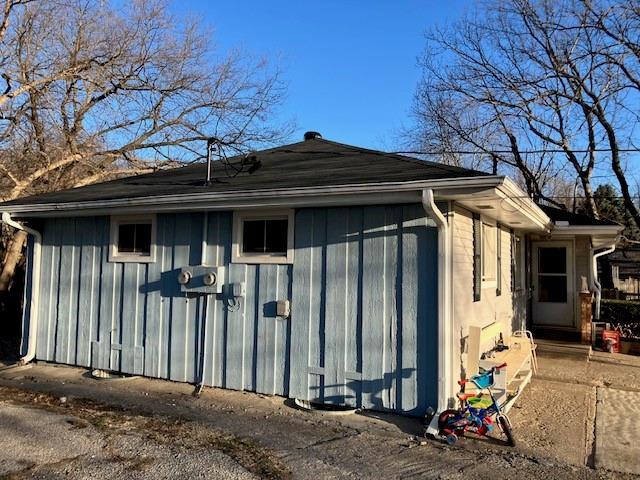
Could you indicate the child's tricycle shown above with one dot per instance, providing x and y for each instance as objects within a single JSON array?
[{"x": 476, "y": 411}]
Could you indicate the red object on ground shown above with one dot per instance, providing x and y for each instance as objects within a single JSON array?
[{"x": 611, "y": 341}]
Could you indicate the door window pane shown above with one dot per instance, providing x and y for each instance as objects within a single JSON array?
[
  {"x": 552, "y": 288},
  {"x": 552, "y": 260}
]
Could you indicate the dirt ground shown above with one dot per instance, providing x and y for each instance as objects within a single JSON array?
[{"x": 157, "y": 429}]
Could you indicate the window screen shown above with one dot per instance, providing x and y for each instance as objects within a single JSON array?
[
  {"x": 134, "y": 238},
  {"x": 265, "y": 236}
]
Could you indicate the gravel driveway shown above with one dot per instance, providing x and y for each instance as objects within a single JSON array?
[
  {"x": 36, "y": 443},
  {"x": 151, "y": 428}
]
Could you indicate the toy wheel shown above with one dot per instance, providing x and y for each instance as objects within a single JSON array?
[
  {"x": 452, "y": 438},
  {"x": 506, "y": 428},
  {"x": 445, "y": 417}
]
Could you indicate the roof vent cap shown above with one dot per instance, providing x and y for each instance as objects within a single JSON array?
[{"x": 311, "y": 135}]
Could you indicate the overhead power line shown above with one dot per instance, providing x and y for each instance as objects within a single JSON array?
[{"x": 475, "y": 152}]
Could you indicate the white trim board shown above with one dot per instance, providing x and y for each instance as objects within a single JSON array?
[
  {"x": 237, "y": 256},
  {"x": 114, "y": 222},
  {"x": 490, "y": 187}
]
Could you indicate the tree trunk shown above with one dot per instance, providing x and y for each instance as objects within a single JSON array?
[{"x": 11, "y": 259}]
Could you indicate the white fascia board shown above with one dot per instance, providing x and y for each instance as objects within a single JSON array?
[
  {"x": 591, "y": 230},
  {"x": 519, "y": 199},
  {"x": 332, "y": 195}
]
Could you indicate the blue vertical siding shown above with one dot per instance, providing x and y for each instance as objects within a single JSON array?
[
  {"x": 364, "y": 330},
  {"x": 363, "y": 291},
  {"x": 131, "y": 317}
]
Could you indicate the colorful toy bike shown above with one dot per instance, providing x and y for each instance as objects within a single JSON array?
[{"x": 476, "y": 411}]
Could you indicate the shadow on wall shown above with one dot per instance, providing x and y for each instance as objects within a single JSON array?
[
  {"x": 370, "y": 303},
  {"x": 373, "y": 389}
]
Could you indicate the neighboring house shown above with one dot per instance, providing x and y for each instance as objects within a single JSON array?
[
  {"x": 622, "y": 267},
  {"x": 315, "y": 270}
]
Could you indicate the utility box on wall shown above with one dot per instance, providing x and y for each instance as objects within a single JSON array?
[{"x": 201, "y": 279}]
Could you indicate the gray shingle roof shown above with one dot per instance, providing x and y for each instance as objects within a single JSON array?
[
  {"x": 557, "y": 214},
  {"x": 311, "y": 163}
]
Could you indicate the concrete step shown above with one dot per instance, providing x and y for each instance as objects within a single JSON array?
[
  {"x": 557, "y": 347},
  {"x": 567, "y": 335}
]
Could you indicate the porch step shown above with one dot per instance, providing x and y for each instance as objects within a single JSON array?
[
  {"x": 558, "y": 347},
  {"x": 556, "y": 334}
]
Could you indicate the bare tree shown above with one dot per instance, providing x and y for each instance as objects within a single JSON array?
[
  {"x": 545, "y": 95},
  {"x": 98, "y": 91},
  {"x": 95, "y": 90}
]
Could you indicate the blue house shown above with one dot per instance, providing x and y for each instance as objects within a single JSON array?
[{"x": 317, "y": 271}]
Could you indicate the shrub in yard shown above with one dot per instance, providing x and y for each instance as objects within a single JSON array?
[
  {"x": 623, "y": 315},
  {"x": 620, "y": 311}
]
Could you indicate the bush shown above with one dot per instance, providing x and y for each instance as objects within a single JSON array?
[
  {"x": 619, "y": 311},
  {"x": 624, "y": 316}
]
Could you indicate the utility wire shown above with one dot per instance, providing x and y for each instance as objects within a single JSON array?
[{"x": 521, "y": 152}]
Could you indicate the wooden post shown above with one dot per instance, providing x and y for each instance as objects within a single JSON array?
[{"x": 586, "y": 316}]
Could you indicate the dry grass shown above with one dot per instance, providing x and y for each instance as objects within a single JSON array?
[{"x": 160, "y": 429}]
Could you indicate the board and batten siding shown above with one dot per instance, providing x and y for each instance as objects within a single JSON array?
[
  {"x": 364, "y": 326},
  {"x": 363, "y": 329},
  {"x": 132, "y": 317}
]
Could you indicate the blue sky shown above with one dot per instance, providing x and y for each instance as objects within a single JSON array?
[{"x": 350, "y": 66}]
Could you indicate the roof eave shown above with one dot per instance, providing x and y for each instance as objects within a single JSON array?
[
  {"x": 391, "y": 192},
  {"x": 599, "y": 230}
]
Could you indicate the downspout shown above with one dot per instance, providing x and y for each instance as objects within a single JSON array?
[
  {"x": 444, "y": 317},
  {"x": 594, "y": 275},
  {"x": 35, "y": 291}
]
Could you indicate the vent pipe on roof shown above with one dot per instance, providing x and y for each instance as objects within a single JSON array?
[
  {"x": 311, "y": 135},
  {"x": 210, "y": 143}
]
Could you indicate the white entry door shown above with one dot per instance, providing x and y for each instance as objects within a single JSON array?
[{"x": 553, "y": 284}]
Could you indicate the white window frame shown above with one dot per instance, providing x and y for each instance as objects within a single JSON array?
[
  {"x": 239, "y": 217},
  {"x": 488, "y": 282},
  {"x": 128, "y": 257}
]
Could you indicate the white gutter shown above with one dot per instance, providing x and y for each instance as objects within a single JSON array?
[
  {"x": 594, "y": 274},
  {"x": 35, "y": 287},
  {"x": 257, "y": 197},
  {"x": 444, "y": 301}
]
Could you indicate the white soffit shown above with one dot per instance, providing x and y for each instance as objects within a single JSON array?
[{"x": 511, "y": 211}]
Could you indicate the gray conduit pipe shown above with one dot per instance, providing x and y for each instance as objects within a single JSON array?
[
  {"x": 444, "y": 302},
  {"x": 202, "y": 361},
  {"x": 35, "y": 284}
]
